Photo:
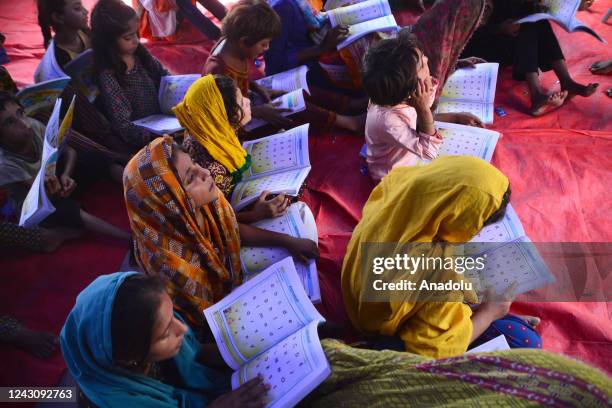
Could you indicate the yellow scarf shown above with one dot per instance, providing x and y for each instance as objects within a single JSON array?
[
  {"x": 448, "y": 200},
  {"x": 203, "y": 114}
]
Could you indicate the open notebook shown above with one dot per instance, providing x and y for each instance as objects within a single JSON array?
[
  {"x": 37, "y": 206},
  {"x": 293, "y": 100},
  {"x": 362, "y": 18},
  {"x": 471, "y": 90},
  {"x": 287, "y": 81},
  {"x": 268, "y": 327},
  {"x": 48, "y": 68},
  {"x": 510, "y": 257},
  {"x": 43, "y": 95},
  {"x": 172, "y": 90},
  {"x": 279, "y": 164},
  {"x": 82, "y": 71},
  {"x": 562, "y": 12},
  {"x": 256, "y": 259},
  {"x": 461, "y": 140}
]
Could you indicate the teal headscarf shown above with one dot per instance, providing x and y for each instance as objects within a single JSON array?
[{"x": 87, "y": 347}]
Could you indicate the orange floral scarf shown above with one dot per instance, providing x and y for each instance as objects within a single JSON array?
[{"x": 197, "y": 251}]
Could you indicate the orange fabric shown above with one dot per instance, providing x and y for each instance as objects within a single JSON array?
[{"x": 196, "y": 249}]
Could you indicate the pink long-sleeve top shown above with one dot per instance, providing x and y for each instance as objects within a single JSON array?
[{"x": 393, "y": 140}]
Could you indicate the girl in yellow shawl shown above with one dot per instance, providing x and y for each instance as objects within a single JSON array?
[
  {"x": 184, "y": 228},
  {"x": 211, "y": 112},
  {"x": 447, "y": 201}
]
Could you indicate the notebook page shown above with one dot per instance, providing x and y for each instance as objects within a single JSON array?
[
  {"x": 256, "y": 259},
  {"x": 563, "y": 11},
  {"x": 358, "y": 13},
  {"x": 514, "y": 261},
  {"x": 36, "y": 205},
  {"x": 460, "y": 140},
  {"x": 291, "y": 100},
  {"x": 359, "y": 30},
  {"x": 292, "y": 368},
  {"x": 505, "y": 230},
  {"x": 472, "y": 84},
  {"x": 287, "y": 81},
  {"x": 288, "y": 182},
  {"x": 277, "y": 153},
  {"x": 260, "y": 313},
  {"x": 172, "y": 90},
  {"x": 41, "y": 95},
  {"x": 484, "y": 111},
  {"x": 159, "y": 124},
  {"x": 496, "y": 344}
]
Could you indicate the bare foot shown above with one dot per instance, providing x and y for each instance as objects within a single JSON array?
[
  {"x": 39, "y": 344},
  {"x": 601, "y": 67},
  {"x": 533, "y": 321},
  {"x": 543, "y": 104},
  {"x": 574, "y": 88}
]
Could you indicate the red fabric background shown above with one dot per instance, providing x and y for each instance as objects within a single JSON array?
[{"x": 560, "y": 167}]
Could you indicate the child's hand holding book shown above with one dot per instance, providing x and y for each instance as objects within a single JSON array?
[
  {"x": 250, "y": 394},
  {"x": 302, "y": 249},
  {"x": 334, "y": 37},
  {"x": 273, "y": 115}
]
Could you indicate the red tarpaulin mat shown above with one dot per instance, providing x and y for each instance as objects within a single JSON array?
[{"x": 560, "y": 167}]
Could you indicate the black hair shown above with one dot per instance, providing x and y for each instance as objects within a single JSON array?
[
  {"x": 501, "y": 211},
  {"x": 389, "y": 70},
  {"x": 45, "y": 9},
  {"x": 109, "y": 20},
  {"x": 253, "y": 19},
  {"x": 6, "y": 98},
  {"x": 227, "y": 86},
  {"x": 133, "y": 318}
]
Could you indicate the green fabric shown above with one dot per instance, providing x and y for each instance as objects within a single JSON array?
[{"x": 368, "y": 378}]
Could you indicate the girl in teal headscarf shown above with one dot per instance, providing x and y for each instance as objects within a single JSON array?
[{"x": 123, "y": 344}]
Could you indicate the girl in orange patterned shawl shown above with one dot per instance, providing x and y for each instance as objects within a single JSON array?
[{"x": 184, "y": 228}]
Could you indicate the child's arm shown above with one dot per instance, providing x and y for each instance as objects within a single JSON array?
[
  {"x": 264, "y": 208},
  {"x": 119, "y": 111},
  {"x": 491, "y": 310},
  {"x": 461, "y": 118},
  {"x": 302, "y": 249},
  {"x": 69, "y": 156},
  {"x": 284, "y": 53},
  {"x": 420, "y": 100},
  {"x": 266, "y": 94}
]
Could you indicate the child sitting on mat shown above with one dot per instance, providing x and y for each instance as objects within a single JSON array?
[
  {"x": 400, "y": 126},
  {"x": 68, "y": 19},
  {"x": 247, "y": 32},
  {"x": 128, "y": 75},
  {"x": 21, "y": 148}
]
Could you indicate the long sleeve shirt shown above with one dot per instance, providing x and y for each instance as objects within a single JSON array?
[
  {"x": 136, "y": 99},
  {"x": 392, "y": 139}
]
